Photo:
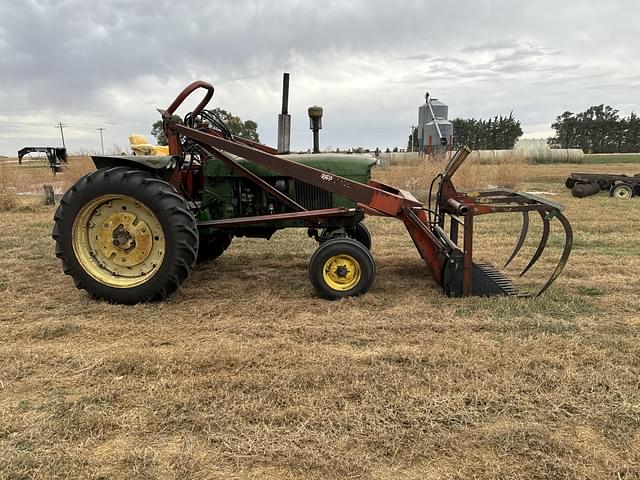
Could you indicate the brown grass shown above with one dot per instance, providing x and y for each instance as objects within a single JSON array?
[
  {"x": 21, "y": 187},
  {"x": 471, "y": 175},
  {"x": 7, "y": 192},
  {"x": 29, "y": 177},
  {"x": 244, "y": 373}
]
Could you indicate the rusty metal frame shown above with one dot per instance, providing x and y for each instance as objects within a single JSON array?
[
  {"x": 381, "y": 200},
  {"x": 308, "y": 215}
]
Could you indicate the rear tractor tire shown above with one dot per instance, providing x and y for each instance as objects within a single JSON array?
[
  {"x": 125, "y": 236},
  {"x": 341, "y": 267}
]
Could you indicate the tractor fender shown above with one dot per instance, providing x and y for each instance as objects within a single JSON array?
[{"x": 151, "y": 163}]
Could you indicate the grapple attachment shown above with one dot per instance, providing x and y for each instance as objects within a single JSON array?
[{"x": 459, "y": 275}]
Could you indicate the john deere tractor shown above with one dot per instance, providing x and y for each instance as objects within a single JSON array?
[{"x": 133, "y": 230}]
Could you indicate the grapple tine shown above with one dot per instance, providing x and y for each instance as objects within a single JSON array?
[
  {"x": 543, "y": 242},
  {"x": 568, "y": 232},
  {"x": 523, "y": 237}
]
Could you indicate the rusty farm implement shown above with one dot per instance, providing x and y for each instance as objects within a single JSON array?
[{"x": 132, "y": 230}]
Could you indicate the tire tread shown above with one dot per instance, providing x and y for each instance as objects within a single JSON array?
[{"x": 161, "y": 198}]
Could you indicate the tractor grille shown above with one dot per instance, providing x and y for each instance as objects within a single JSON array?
[{"x": 312, "y": 197}]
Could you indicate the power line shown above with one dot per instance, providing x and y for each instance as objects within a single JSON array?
[{"x": 101, "y": 129}]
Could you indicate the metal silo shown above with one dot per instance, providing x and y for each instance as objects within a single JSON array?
[{"x": 433, "y": 124}]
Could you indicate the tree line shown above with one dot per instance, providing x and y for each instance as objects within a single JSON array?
[
  {"x": 497, "y": 133},
  {"x": 599, "y": 129}
]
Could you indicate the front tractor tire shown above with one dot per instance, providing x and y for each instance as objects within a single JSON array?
[
  {"x": 125, "y": 236},
  {"x": 341, "y": 267}
]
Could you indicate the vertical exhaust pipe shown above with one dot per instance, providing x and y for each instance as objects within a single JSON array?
[{"x": 284, "y": 119}]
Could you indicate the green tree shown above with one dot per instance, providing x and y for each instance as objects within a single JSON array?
[
  {"x": 599, "y": 129},
  {"x": 247, "y": 129},
  {"x": 157, "y": 130},
  {"x": 494, "y": 134},
  {"x": 413, "y": 138}
]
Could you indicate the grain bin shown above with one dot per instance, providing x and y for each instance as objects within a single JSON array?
[{"x": 433, "y": 124}]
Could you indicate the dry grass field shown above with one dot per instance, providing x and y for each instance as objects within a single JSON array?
[{"x": 245, "y": 373}]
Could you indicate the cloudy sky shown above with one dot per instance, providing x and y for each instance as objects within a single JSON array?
[{"x": 111, "y": 63}]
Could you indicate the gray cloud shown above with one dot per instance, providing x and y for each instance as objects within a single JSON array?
[{"x": 111, "y": 63}]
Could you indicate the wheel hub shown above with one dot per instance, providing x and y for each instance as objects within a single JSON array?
[
  {"x": 123, "y": 238},
  {"x": 341, "y": 272},
  {"x": 124, "y": 235},
  {"x": 118, "y": 241},
  {"x": 623, "y": 192}
]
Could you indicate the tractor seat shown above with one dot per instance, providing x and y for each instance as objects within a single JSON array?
[{"x": 141, "y": 146}]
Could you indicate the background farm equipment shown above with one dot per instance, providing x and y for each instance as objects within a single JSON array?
[
  {"x": 132, "y": 230},
  {"x": 57, "y": 156},
  {"x": 619, "y": 186}
]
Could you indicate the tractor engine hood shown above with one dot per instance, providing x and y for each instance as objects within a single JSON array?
[{"x": 346, "y": 165}]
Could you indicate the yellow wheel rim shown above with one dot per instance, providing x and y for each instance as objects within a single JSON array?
[
  {"x": 118, "y": 241},
  {"x": 341, "y": 272}
]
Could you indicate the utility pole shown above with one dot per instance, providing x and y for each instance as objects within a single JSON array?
[
  {"x": 411, "y": 138},
  {"x": 60, "y": 125},
  {"x": 101, "y": 129}
]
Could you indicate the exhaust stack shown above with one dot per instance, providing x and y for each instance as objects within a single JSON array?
[{"x": 284, "y": 119}]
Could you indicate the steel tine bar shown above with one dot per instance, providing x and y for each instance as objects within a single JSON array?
[
  {"x": 568, "y": 232},
  {"x": 496, "y": 191},
  {"x": 541, "y": 246},
  {"x": 523, "y": 237},
  {"x": 501, "y": 199},
  {"x": 515, "y": 208}
]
